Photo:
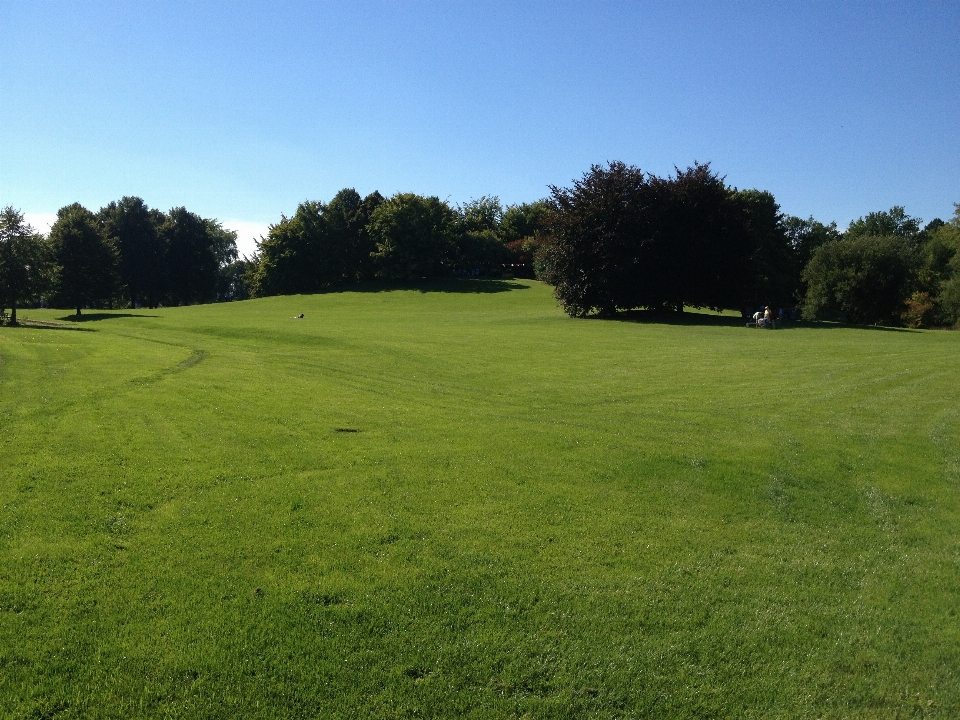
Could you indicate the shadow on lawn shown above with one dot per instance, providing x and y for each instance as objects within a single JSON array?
[
  {"x": 713, "y": 320},
  {"x": 96, "y": 316},
  {"x": 443, "y": 285},
  {"x": 28, "y": 324}
]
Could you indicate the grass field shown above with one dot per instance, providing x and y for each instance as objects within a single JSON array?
[{"x": 459, "y": 502}]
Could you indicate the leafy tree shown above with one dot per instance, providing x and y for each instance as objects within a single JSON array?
[
  {"x": 224, "y": 243},
  {"x": 233, "y": 280},
  {"x": 522, "y": 232},
  {"x": 348, "y": 245},
  {"x": 703, "y": 248},
  {"x": 21, "y": 261},
  {"x": 804, "y": 237},
  {"x": 483, "y": 214},
  {"x": 523, "y": 221},
  {"x": 192, "y": 261},
  {"x": 415, "y": 237},
  {"x": 321, "y": 246},
  {"x": 942, "y": 269},
  {"x": 288, "y": 261},
  {"x": 85, "y": 260},
  {"x": 134, "y": 231},
  {"x": 949, "y": 297},
  {"x": 774, "y": 273},
  {"x": 894, "y": 222},
  {"x": 596, "y": 232},
  {"x": 480, "y": 252},
  {"x": 861, "y": 279}
]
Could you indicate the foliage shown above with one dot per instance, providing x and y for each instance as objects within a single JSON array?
[
  {"x": 480, "y": 252},
  {"x": 772, "y": 270},
  {"x": 942, "y": 268},
  {"x": 224, "y": 242},
  {"x": 287, "y": 259},
  {"x": 893, "y": 222},
  {"x": 483, "y": 214},
  {"x": 522, "y": 232},
  {"x": 621, "y": 239},
  {"x": 596, "y": 231},
  {"x": 233, "y": 281},
  {"x": 804, "y": 237},
  {"x": 523, "y": 221},
  {"x": 861, "y": 279},
  {"x": 415, "y": 236},
  {"x": 134, "y": 231},
  {"x": 192, "y": 256},
  {"x": 22, "y": 261},
  {"x": 85, "y": 261},
  {"x": 920, "y": 310},
  {"x": 320, "y": 247}
]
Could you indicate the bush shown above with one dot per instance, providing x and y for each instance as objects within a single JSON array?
[{"x": 921, "y": 310}]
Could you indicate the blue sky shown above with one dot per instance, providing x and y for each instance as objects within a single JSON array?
[{"x": 239, "y": 111}]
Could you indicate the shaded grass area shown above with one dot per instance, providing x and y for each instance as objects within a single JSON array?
[{"x": 415, "y": 504}]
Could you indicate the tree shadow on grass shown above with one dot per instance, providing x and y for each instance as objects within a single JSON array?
[
  {"x": 706, "y": 319},
  {"x": 28, "y": 324},
  {"x": 441, "y": 285},
  {"x": 96, "y": 316}
]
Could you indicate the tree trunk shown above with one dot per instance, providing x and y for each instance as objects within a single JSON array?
[
  {"x": 78, "y": 309},
  {"x": 680, "y": 307},
  {"x": 13, "y": 313}
]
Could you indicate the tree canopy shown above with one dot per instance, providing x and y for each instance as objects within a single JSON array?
[
  {"x": 621, "y": 238},
  {"x": 86, "y": 261},
  {"x": 21, "y": 261}
]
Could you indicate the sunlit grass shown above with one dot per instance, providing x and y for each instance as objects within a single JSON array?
[{"x": 416, "y": 504}]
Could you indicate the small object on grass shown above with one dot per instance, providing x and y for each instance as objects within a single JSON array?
[
  {"x": 298, "y": 317},
  {"x": 258, "y": 592}
]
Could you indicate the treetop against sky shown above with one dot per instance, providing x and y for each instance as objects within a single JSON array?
[{"x": 243, "y": 110}]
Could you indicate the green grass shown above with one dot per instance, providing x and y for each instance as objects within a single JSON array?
[{"x": 535, "y": 516}]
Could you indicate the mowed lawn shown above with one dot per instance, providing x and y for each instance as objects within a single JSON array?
[{"x": 461, "y": 503}]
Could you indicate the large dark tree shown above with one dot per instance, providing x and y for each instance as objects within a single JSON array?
[
  {"x": 702, "y": 248},
  {"x": 597, "y": 230},
  {"x": 773, "y": 271},
  {"x": 621, "y": 239},
  {"x": 134, "y": 230},
  {"x": 86, "y": 261},
  {"x": 21, "y": 261},
  {"x": 192, "y": 262}
]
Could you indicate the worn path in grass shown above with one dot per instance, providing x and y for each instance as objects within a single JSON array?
[{"x": 458, "y": 503}]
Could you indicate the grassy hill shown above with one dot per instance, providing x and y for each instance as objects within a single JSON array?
[{"x": 457, "y": 501}]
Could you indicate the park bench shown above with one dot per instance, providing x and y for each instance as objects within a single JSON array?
[{"x": 772, "y": 325}]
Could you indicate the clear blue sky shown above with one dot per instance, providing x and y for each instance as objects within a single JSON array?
[{"x": 241, "y": 110}]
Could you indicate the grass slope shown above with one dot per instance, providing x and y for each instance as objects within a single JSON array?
[{"x": 458, "y": 503}]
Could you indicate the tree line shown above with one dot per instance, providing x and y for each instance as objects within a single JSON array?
[
  {"x": 406, "y": 237},
  {"x": 124, "y": 255},
  {"x": 618, "y": 239},
  {"x": 621, "y": 239}
]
